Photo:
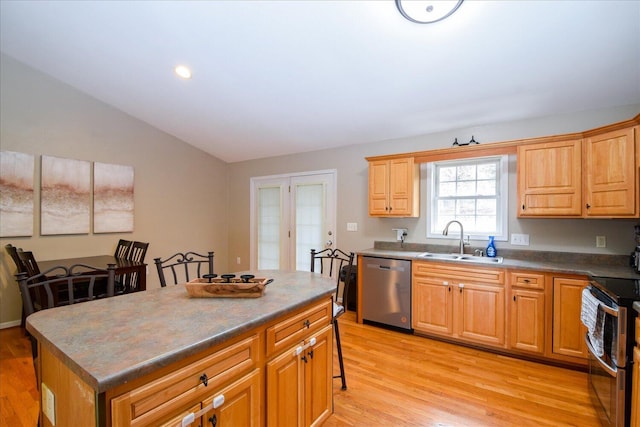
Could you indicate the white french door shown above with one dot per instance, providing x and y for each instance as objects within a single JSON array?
[{"x": 290, "y": 215}]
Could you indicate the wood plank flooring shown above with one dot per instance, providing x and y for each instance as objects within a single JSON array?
[{"x": 393, "y": 379}]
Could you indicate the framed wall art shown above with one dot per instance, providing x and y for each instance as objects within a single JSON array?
[
  {"x": 16, "y": 194},
  {"x": 112, "y": 198},
  {"x": 65, "y": 196}
]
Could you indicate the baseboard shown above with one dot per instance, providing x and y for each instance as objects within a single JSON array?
[{"x": 11, "y": 324}]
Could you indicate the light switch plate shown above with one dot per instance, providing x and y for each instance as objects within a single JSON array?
[
  {"x": 352, "y": 226},
  {"x": 601, "y": 241},
  {"x": 520, "y": 239}
]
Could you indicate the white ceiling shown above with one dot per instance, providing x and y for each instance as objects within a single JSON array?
[{"x": 280, "y": 77}]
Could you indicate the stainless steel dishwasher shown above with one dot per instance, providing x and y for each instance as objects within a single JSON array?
[{"x": 386, "y": 291}]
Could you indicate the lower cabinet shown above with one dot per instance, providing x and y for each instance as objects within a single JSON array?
[
  {"x": 568, "y": 330},
  {"x": 457, "y": 302},
  {"x": 527, "y": 312},
  {"x": 299, "y": 383}
]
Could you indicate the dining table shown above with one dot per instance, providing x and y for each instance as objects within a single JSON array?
[{"x": 123, "y": 266}]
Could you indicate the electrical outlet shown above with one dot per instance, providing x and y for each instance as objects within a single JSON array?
[
  {"x": 352, "y": 226},
  {"x": 520, "y": 239},
  {"x": 238, "y": 260},
  {"x": 48, "y": 404},
  {"x": 601, "y": 241}
]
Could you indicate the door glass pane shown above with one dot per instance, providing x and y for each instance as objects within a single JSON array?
[
  {"x": 309, "y": 222},
  {"x": 269, "y": 217}
]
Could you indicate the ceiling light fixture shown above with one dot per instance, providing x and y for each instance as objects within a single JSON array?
[
  {"x": 427, "y": 11},
  {"x": 183, "y": 71}
]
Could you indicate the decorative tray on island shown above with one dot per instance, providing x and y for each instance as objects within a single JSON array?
[{"x": 227, "y": 286}]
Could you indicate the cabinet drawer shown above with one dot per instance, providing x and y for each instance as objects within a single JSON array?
[
  {"x": 527, "y": 280},
  {"x": 177, "y": 391},
  {"x": 462, "y": 273},
  {"x": 297, "y": 327}
]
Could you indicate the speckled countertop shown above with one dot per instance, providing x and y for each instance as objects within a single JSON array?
[
  {"x": 112, "y": 341},
  {"x": 556, "y": 262}
]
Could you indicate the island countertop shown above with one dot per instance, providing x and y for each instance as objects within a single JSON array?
[{"x": 111, "y": 341}]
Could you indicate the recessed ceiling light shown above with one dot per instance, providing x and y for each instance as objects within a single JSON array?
[{"x": 183, "y": 71}]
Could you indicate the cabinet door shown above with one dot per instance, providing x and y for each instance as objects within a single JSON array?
[
  {"x": 285, "y": 390},
  {"x": 527, "y": 320},
  {"x": 379, "y": 187},
  {"x": 318, "y": 378},
  {"x": 481, "y": 313},
  {"x": 239, "y": 404},
  {"x": 432, "y": 305},
  {"x": 568, "y": 330},
  {"x": 610, "y": 174},
  {"x": 550, "y": 179},
  {"x": 401, "y": 187}
]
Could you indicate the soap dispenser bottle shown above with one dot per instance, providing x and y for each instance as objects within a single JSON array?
[{"x": 491, "y": 248}]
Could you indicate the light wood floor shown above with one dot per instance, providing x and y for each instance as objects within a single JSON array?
[{"x": 393, "y": 379}]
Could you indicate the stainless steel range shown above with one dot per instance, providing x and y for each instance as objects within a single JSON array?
[{"x": 610, "y": 341}]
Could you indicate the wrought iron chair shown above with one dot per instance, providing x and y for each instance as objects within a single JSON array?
[
  {"x": 40, "y": 292},
  {"x": 185, "y": 267},
  {"x": 331, "y": 263}
]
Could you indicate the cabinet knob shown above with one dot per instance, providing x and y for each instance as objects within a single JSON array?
[
  {"x": 213, "y": 420},
  {"x": 522, "y": 207},
  {"x": 588, "y": 206},
  {"x": 204, "y": 379},
  {"x": 307, "y": 324}
]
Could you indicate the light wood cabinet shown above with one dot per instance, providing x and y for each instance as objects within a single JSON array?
[
  {"x": 527, "y": 312},
  {"x": 299, "y": 383},
  {"x": 458, "y": 302},
  {"x": 394, "y": 188},
  {"x": 550, "y": 179},
  {"x": 610, "y": 174},
  {"x": 596, "y": 176},
  {"x": 568, "y": 330}
]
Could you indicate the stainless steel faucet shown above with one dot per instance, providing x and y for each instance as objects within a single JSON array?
[{"x": 445, "y": 232}]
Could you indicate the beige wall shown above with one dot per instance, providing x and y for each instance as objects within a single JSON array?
[
  {"x": 180, "y": 192},
  {"x": 188, "y": 200},
  {"x": 568, "y": 235}
]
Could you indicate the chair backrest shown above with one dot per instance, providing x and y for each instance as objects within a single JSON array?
[
  {"x": 78, "y": 283},
  {"x": 122, "y": 249},
  {"x": 184, "y": 267},
  {"x": 138, "y": 251},
  {"x": 336, "y": 264},
  {"x": 13, "y": 253},
  {"x": 29, "y": 262}
]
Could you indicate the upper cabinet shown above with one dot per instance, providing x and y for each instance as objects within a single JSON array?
[
  {"x": 596, "y": 176},
  {"x": 394, "y": 188},
  {"x": 610, "y": 174},
  {"x": 550, "y": 179}
]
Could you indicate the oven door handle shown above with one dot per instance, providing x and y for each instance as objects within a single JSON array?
[
  {"x": 609, "y": 310},
  {"x": 612, "y": 371}
]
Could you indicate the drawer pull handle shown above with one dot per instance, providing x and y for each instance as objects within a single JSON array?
[
  {"x": 527, "y": 281},
  {"x": 204, "y": 379},
  {"x": 307, "y": 324},
  {"x": 213, "y": 420}
]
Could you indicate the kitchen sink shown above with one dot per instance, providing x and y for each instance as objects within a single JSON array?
[{"x": 461, "y": 258}]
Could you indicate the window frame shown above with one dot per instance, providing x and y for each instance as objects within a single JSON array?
[{"x": 502, "y": 196}]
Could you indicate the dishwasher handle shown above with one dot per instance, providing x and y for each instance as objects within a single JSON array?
[{"x": 385, "y": 267}]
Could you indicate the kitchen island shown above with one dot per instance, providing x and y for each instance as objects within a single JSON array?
[{"x": 155, "y": 356}]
